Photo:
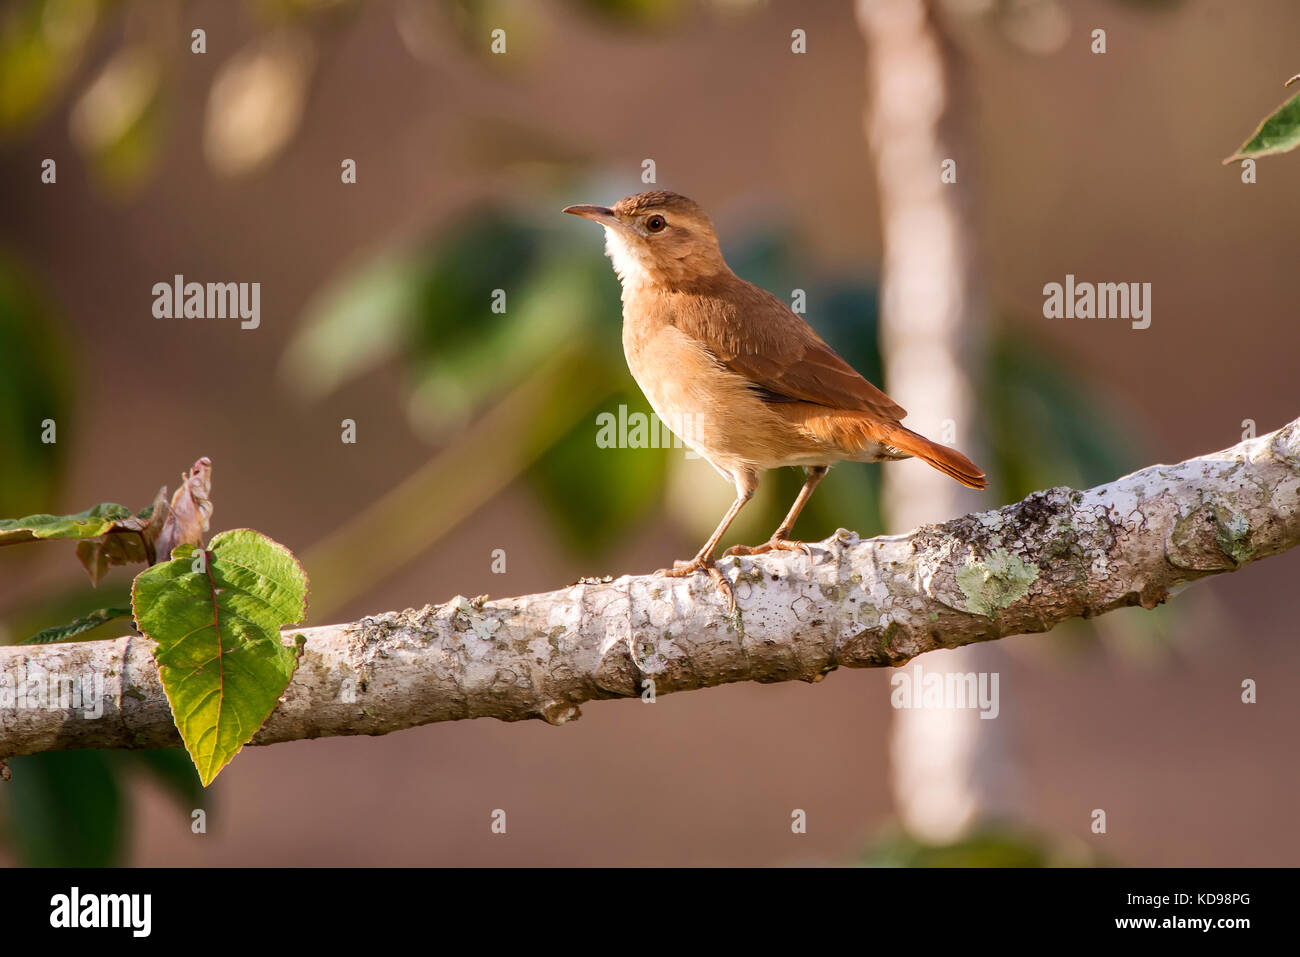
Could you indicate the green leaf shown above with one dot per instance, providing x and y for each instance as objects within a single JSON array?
[
  {"x": 106, "y": 535},
  {"x": 1279, "y": 133},
  {"x": 77, "y": 626},
  {"x": 91, "y": 523},
  {"x": 220, "y": 657},
  {"x": 72, "y": 599}
]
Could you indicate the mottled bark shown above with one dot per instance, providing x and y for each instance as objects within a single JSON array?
[{"x": 1056, "y": 555}]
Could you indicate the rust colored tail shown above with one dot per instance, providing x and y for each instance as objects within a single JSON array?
[
  {"x": 948, "y": 461},
  {"x": 855, "y": 433}
]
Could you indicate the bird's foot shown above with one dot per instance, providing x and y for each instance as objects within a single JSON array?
[
  {"x": 700, "y": 564},
  {"x": 771, "y": 545}
]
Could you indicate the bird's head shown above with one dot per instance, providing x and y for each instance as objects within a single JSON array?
[{"x": 658, "y": 237}]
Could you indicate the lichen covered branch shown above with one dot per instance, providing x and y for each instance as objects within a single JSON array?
[{"x": 1059, "y": 554}]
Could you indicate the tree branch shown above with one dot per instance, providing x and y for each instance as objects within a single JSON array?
[{"x": 1058, "y": 554}]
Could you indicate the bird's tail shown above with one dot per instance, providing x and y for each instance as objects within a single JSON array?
[
  {"x": 948, "y": 461},
  {"x": 866, "y": 434}
]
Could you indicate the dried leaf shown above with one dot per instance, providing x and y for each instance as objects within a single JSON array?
[
  {"x": 111, "y": 534},
  {"x": 190, "y": 511},
  {"x": 127, "y": 540}
]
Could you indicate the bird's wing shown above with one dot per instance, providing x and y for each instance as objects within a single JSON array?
[{"x": 754, "y": 334}]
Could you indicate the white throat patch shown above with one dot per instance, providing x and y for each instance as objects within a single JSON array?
[{"x": 627, "y": 264}]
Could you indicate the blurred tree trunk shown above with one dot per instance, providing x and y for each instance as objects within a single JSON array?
[{"x": 951, "y": 769}]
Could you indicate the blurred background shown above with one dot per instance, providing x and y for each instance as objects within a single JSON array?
[{"x": 814, "y": 133}]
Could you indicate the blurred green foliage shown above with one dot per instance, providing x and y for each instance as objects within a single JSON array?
[
  {"x": 70, "y": 808},
  {"x": 990, "y": 846},
  {"x": 59, "y": 808},
  {"x": 41, "y": 43},
  {"x": 638, "y": 13},
  {"x": 1045, "y": 425},
  {"x": 66, "y": 808},
  {"x": 34, "y": 368},
  {"x": 595, "y": 498}
]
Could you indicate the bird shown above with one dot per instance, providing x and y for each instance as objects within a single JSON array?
[{"x": 738, "y": 376}]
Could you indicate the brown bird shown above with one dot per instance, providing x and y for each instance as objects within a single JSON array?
[{"x": 736, "y": 375}]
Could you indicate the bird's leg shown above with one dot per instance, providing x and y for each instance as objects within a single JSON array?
[
  {"x": 780, "y": 540},
  {"x": 703, "y": 561}
]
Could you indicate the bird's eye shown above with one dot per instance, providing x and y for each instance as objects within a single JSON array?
[{"x": 655, "y": 224}]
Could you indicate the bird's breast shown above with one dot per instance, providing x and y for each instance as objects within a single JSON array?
[
  {"x": 712, "y": 410},
  {"x": 674, "y": 372}
]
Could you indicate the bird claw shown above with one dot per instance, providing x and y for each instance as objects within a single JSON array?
[
  {"x": 681, "y": 569},
  {"x": 685, "y": 569},
  {"x": 771, "y": 545}
]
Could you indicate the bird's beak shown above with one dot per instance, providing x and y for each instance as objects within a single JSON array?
[{"x": 597, "y": 214}]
